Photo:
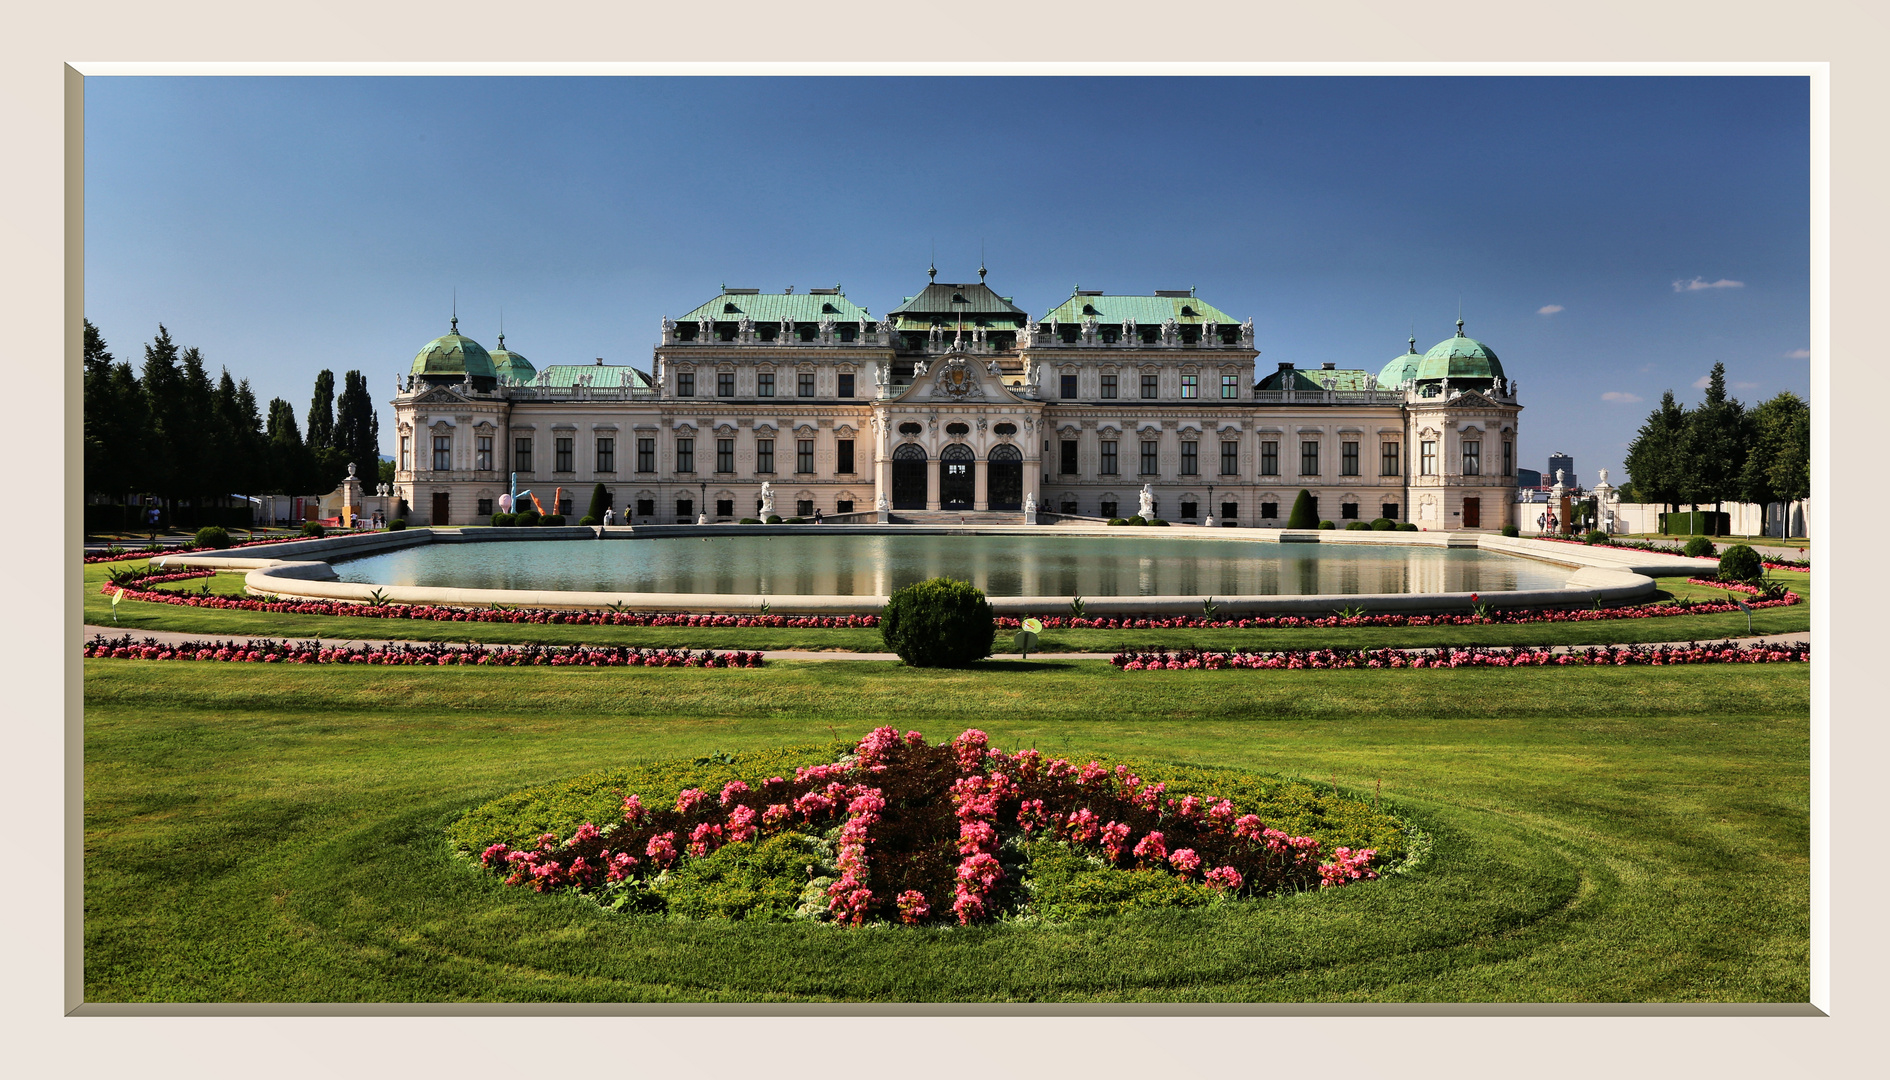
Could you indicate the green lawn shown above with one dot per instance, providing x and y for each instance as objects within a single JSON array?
[
  {"x": 134, "y": 616},
  {"x": 268, "y": 834}
]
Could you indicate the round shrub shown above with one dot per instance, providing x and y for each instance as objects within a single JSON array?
[
  {"x": 1407, "y": 526},
  {"x": 938, "y": 623},
  {"x": 1595, "y": 536},
  {"x": 795, "y": 521},
  {"x": 551, "y": 519},
  {"x": 314, "y": 528},
  {"x": 1358, "y": 526},
  {"x": 1510, "y": 530},
  {"x": 1118, "y": 521},
  {"x": 1699, "y": 547},
  {"x": 751, "y": 521},
  {"x": 1383, "y": 524},
  {"x": 1327, "y": 524},
  {"x": 397, "y": 524},
  {"x": 1159, "y": 521},
  {"x": 774, "y": 519},
  {"x": 587, "y": 520},
  {"x": 499, "y": 520},
  {"x": 1302, "y": 516},
  {"x": 1137, "y": 520},
  {"x": 213, "y": 536},
  {"x": 525, "y": 517},
  {"x": 1740, "y": 563}
]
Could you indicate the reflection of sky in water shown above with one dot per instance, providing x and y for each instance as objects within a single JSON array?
[{"x": 858, "y": 565}]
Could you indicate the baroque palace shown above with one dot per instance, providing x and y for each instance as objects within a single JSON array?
[{"x": 954, "y": 403}]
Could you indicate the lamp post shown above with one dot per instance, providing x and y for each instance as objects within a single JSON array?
[
  {"x": 702, "y": 508},
  {"x": 1210, "y": 508}
]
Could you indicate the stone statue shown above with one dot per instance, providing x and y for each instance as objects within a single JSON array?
[
  {"x": 826, "y": 329},
  {"x": 350, "y": 470},
  {"x": 1027, "y": 335},
  {"x": 890, "y": 329},
  {"x": 669, "y": 330},
  {"x": 1604, "y": 477},
  {"x": 994, "y": 369},
  {"x": 1246, "y": 334},
  {"x": 881, "y": 503},
  {"x": 1211, "y": 333},
  {"x": 767, "y": 500},
  {"x": 918, "y": 366},
  {"x": 1558, "y": 477},
  {"x": 1171, "y": 331},
  {"x": 1090, "y": 326},
  {"x": 705, "y": 330},
  {"x": 746, "y": 326},
  {"x": 1034, "y": 377},
  {"x": 860, "y": 334},
  {"x": 1146, "y": 507},
  {"x": 1030, "y": 504}
]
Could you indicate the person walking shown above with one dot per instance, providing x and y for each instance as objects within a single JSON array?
[{"x": 817, "y": 520}]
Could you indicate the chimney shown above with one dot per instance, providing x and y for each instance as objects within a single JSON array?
[{"x": 1329, "y": 365}]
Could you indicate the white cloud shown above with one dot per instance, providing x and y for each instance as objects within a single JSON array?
[
  {"x": 1699, "y": 283},
  {"x": 1621, "y": 397},
  {"x": 1702, "y": 382},
  {"x": 1798, "y": 354},
  {"x": 1549, "y": 309}
]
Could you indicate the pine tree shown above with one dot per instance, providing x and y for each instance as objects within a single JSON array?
[
  {"x": 1654, "y": 459},
  {"x": 1714, "y": 445},
  {"x": 1769, "y": 434},
  {"x": 167, "y": 416},
  {"x": 102, "y": 452},
  {"x": 289, "y": 466},
  {"x": 358, "y": 429},
  {"x": 326, "y": 458}
]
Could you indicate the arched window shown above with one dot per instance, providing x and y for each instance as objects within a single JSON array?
[
  {"x": 909, "y": 451},
  {"x": 1006, "y": 452}
]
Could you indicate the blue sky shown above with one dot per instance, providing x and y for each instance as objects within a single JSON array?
[{"x": 1609, "y": 237}]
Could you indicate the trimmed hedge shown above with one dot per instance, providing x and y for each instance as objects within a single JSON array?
[
  {"x": 1407, "y": 526},
  {"x": 1327, "y": 524},
  {"x": 1510, "y": 530},
  {"x": 1740, "y": 563},
  {"x": 1699, "y": 547},
  {"x": 1303, "y": 516},
  {"x": 397, "y": 524},
  {"x": 314, "y": 528},
  {"x": 938, "y": 623},
  {"x": 1595, "y": 536},
  {"x": 1383, "y": 524},
  {"x": 213, "y": 536}
]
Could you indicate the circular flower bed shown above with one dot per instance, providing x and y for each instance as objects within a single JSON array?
[
  {"x": 306, "y": 652},
  {"x": 895, "y": 830},
  {"x": 1796, "y": 652}
]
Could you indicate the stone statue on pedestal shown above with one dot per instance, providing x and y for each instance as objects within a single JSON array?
[
  {"x": 1146, "y": 508},
  {"x": 767, "y": 500}
]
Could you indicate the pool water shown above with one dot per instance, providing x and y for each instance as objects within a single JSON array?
[{"x": 828, "y": 564}]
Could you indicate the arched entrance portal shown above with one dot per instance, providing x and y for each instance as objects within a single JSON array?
[
  {"x": 957, "y": 486},
  {"x": 908, "y": 477},
  {"x": 1007, "y": 477}
]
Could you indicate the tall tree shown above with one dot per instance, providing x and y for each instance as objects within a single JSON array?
[
  {"x": 163, "y": 387},
  {"x": 1654, "y": 459},
  {"x": 1715, "y": 445},
  {"x": 1771, "y": 425},
  {"x": 358, "y": 429},
  {"x": 321, "y": 412},
  {"x": 201, "y": 473},
  {"x": 290, "y": 469},
  {"x": 103, "y": 438}
]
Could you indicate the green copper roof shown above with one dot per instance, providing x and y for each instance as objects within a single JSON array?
[
  {"x": 511, "y": 365},
  {"x": 1346, "y": 379},
  {"x": 603, "y": 376},
  {"x": 453, "y": 354},
  {"x": 1392, "y": 375},
  {"x": 1459, "y": 358},
  {"x": 774, "y": 307},
  {"x": 952, "y": 305},
  {"x": 1145, "y": 310}
]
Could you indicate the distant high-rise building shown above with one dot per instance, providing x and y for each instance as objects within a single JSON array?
[
  {"x": 1528, "y": 478},
  {"x": 1563, "y": 462}
]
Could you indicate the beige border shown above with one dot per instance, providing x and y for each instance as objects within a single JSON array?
[{"x": 1387, "y": 32}]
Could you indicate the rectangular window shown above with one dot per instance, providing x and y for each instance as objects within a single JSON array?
[
  {"x": 1427, "y": 458},
  {"x": 646, "y": 508},
  {"x": 1069, "y": 386},
  {"x": 1109, "y": 459},
  {"x": 1509, "y": 458},
  {"x": 843, "y": 506},
  {"x": 1270, "y": 458},
  {"x": 1269, "y": 510},
  {"x": 482, "y": 453},
  {"x": 564, "y": 507},
  {"x": 1230, "y": 458},
  {"x": 1067, "y": 506},
  {"x": 1150, "y": 386},
  {"x": 1190, "y": 458},
  {"x": 607, "y": 454},
  {"x": 685, "y": 510},
  {"x": 1348, "y": 459},
  {"x": 764, "y": 384},
  {"x": 485, "y": 507},
  {"x": 725, "y": 455},
  {"x": 442, "y": 453},
  {"x": 724, "y": 508},
  {"x": 1190, "y": 386},
  {"x": 1108, "y": 508},
  {"x": 1472, "y": 459},
  {"x": 1109, "y": 386},
  {"x": 1230, "y": 387},
  {"x": 646, "y": 456},
  {"x": 1190, "y": 509},
  {"x": 1389, "y": 511},
  {"x": 562, "y": 449},
  {"x": 1309, "y": 457},
  {"x": 803, "y": 455},
  {"x": 844, "y": 457},
  {"x": 522, "y": 455},
  {"x": 764, "y": 455},
  {"x": 1229, "y": 511},
  {"x": 1388, "y": 459},
  {"x": 1150, "y": 465},
  {"x": 685, "y": 384},
  {"x": 807, "y": 384},
  {"x": 724, "y": 384},
  {"x": 846, "y": 386},
  {"x": 1066, "y": 458},
  {"x": 804, "y": 508},
  {"x": 406, "y": 453},
  {"x": 1348, "y": 511},
  {"x": 685, "y": 455}
]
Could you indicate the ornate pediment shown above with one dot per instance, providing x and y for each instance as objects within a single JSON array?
[
  {"x": 1471, "y": 399},
  {"x": 958, "y": 377},
  {"x": 439, "y": 396}
]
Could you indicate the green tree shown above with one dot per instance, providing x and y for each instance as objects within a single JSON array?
[
  {"x": 113, "y": 414},
  {"x": 327, "y": 460},
  {"x": 1714, "y": 446},
  {"x": 1303, "y": 516},
  {"x": 357, "y": 428},
  {"x": 1772, "y": 427},
  {"x": 1654, "y": 459},
  {"x": 168, "y": 416},
  {"x": 290, "y": 467}
]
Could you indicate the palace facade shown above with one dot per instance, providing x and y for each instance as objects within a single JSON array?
[{"x": 957, "y": 402}]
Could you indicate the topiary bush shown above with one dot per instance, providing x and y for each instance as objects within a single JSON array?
[
  {"x": 526, "y": 518},
  {"x": 1595, "y": 536},
  {"x": 551, "y": 519},
  {"x": 500, "y": 519},
  {"x": 1383, "y": 524},
  {"x": 1699, "y": 547},
  {"x": 587, "y": 520},
  {"x": 1327, "y": 524},
  {"x": 751, "y": 521},
  {"x": 795, "y": 521},
  {"x": 397, "y": 524},
  {"x": 1302, "y": 516},
  {"x": 1118, "y": 521},
  {"x": 1510, "y": 530},
  {"x": 1358, "y": 526},
  {"x": 600, "y": 499},
  {"x": 314, "y": 528},
  {"x": 1137, "y": 520},
  {"x": 938, "y": 623},
  {"x": 1740, "y": 563},
  {"x": 774, "y": 519},
  {"x": 1159, "y": 521},
  {"x": 213, "y": 536},
  {"x": 1407, "y": 526}
]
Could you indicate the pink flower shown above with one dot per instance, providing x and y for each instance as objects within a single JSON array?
[
  {"x": 741, "y": 824},
  {"x": 970, "y": 749},
  {"x": 689, "y": 800},
  {"x": 1115, "y": 840},
  {"x": 1224, "y": 877},
  {"x": 1185, "y": 860},
  {"x": 733, "y": 790},
  {"x": 661, "y": 850},
  {"x": 1152, "y": 847},
  {"x": 775, "y": 816}
]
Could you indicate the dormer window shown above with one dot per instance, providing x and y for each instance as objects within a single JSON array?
[
  {"x": 730, "y": 309},
  {"x": 829, "y": 309},
  {"x": 959, "y": 298},
  {"x": 1090, "y": 309},
  {"x": 1187, "y": 310}
]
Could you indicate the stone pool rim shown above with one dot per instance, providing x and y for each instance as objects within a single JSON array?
[{"x": 299, "y": 570}]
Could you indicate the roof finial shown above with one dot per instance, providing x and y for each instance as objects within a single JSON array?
[
  {"x": 980, "y": 262},
  {"x": 931, "y": 270},
  {"x": 1460, "y": 316},
  {"x": 455, "y": 309},
  {"x": 501, "y": 326}
]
